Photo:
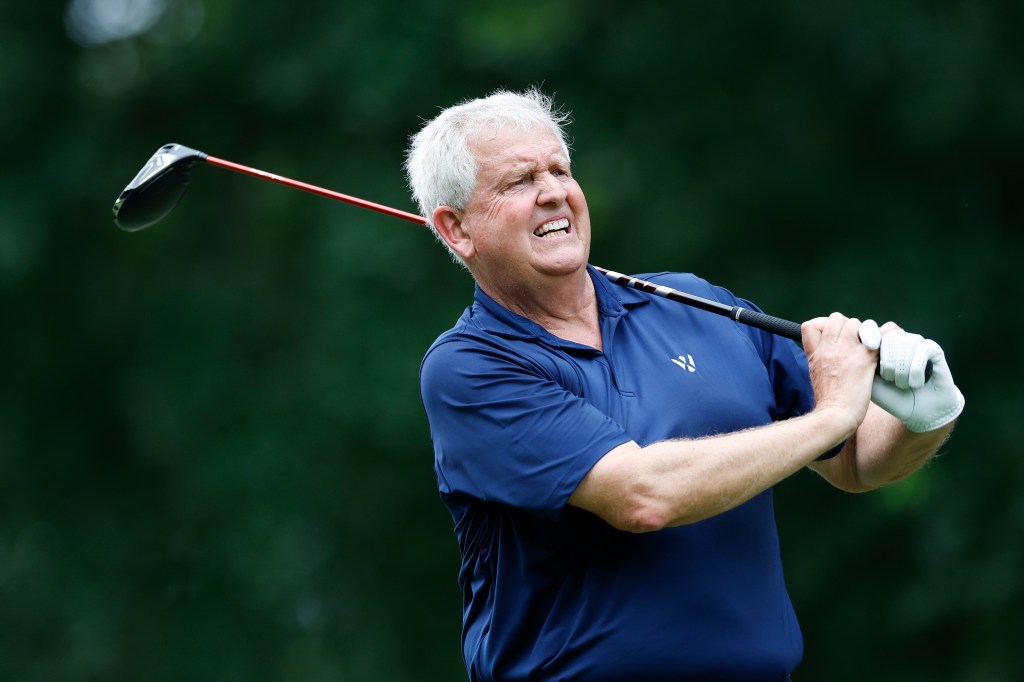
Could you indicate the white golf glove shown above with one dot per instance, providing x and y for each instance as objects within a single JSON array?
[{"x": 900, "y": 388}]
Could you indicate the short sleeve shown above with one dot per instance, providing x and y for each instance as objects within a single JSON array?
[{"x": 505, "y": 431}]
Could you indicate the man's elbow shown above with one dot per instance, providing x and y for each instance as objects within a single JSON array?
[
  {"x": 622, "y": 501},
  {"x": 624, "y": 510},
  {"x": 640, "y": 516},
  {"x": 850, "y": 480}
]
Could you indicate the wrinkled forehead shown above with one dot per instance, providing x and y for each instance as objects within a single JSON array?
[{"x": 507, "y": 140}]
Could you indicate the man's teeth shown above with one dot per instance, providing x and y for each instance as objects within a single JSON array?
[{"x": 553, "y": 226}]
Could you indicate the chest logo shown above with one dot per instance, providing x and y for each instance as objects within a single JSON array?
[{"x": 686, "y": 362}]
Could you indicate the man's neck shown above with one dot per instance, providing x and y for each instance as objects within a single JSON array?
[{"x": 565, "y": 307}]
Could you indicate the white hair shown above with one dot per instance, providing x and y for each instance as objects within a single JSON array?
[{"x": 439, "y": 165}]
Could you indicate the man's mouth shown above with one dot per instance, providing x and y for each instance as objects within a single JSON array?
[{"x": 560, "y": 226}]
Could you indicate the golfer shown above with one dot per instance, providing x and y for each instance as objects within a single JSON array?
[{"x": 608, "y": 456}]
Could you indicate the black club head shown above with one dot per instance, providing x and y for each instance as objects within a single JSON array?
[{"x": 156, "y": 189}]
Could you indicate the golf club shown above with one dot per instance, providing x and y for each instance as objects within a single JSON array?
[{"x": 159, "y": 186}]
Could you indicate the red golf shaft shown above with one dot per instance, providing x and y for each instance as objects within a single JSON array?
[{"x": 313, "y": 189}]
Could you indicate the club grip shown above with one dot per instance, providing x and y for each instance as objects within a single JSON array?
[
  {"x": 769, "y": 323},
  {"x": 790, "y": 330}
]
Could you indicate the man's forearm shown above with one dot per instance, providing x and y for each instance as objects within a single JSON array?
[{"x": 677, "y": 482}]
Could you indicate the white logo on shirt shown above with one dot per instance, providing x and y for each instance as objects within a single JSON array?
[{"x": 686, "y": 362}]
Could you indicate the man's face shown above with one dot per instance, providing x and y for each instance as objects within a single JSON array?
[{"x": 527, "y": 218}]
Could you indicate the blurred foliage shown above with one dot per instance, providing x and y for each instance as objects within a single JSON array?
[{"x": 213, "y": 460}]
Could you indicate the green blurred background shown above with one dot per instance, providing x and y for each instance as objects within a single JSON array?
[{"x": 213, "y": 460}]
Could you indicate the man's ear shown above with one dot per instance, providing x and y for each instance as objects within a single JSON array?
[{"x": 448, "y": 223}]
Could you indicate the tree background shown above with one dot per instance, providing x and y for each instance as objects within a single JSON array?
[{"x": 213, "y": 460}]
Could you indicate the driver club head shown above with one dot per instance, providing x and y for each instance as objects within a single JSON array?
[{"x": 156, "y": 189}]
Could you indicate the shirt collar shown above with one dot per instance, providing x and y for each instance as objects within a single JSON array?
[{"x": 491, "y": 316}]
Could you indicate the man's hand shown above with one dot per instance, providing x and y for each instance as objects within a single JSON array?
[
  {"x": 841, "y": 367},
  {"x": 900, "y": 388}
]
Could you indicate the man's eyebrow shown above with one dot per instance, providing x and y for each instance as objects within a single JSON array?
[
  {"x": 526, "y": 167},
  {"x": 521, "y": 168},
  {"x": 517, "y": 172}
]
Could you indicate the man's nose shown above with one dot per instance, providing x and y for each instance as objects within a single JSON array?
[{"x": 552, "y": 190}]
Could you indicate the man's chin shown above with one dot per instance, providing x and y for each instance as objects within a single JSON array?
[
  {"x": 563, "y": 268},
  {"x": 565, "y": 261}
]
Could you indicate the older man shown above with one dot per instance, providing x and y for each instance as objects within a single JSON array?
[{"x": 608, "y": 457}]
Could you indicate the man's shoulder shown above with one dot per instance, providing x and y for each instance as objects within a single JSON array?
[
  {"x": 690, "y": 283},
  {"x": 685, "y": 281}
]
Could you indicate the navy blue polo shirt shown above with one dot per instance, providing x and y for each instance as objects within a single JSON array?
[{"x": 518, "y": 417}]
